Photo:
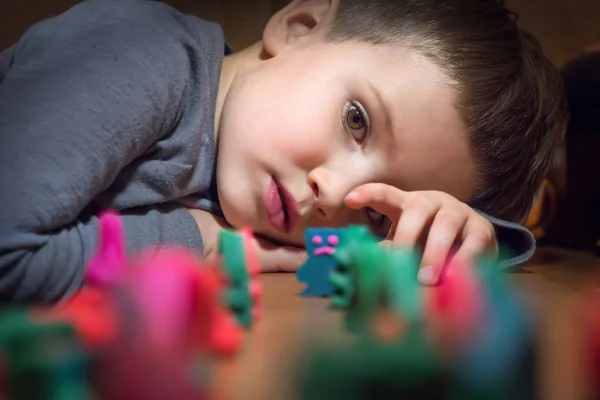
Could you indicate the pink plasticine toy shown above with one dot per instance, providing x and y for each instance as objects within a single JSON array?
[
  {"x": 164, "y": 285},
  {"x": 108, "y": 265},
  {"x": 179, "y": 298}
]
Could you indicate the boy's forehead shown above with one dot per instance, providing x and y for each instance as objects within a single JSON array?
[
  {"x": 425, "y": 145},
  {"x": 421, "y": 137}
]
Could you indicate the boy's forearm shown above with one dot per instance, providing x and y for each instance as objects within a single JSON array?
[{"x": 42, "y": 267}]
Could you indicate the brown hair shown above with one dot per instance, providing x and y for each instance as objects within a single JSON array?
[{"x": 510, "y": 95}]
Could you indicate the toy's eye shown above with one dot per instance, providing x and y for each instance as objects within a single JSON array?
[
  {"x": 333, "y": 240},
  {"x": 317, "y": 240}
]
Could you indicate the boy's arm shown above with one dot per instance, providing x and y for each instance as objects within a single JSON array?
[
  {"x": 84, "y": 97},
  {"x": 5, "y": 61}
]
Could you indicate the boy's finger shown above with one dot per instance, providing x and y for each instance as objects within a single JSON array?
[
  {"x": 383, "y": 198},
  {"x": 444, "y": 231},
  {"x": 412, "y": 223},
  {"x": 475, "y": 243}
]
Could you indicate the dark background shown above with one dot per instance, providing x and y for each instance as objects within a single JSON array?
[{"x": 564, "y": 27}]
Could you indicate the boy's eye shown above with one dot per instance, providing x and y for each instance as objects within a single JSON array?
[
  {"x": 380, "y": 224},
  {"x": 356, "y": 121}
]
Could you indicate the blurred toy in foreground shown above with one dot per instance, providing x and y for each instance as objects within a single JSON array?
[
  {"x": 41, "y": 361},
  {"x": 176, "y": 297},
  {"x": 240, "y": 269},
  {"x": 355, "y": 237},
  {"x": 320, "y": 245},
  {"x": 370, "y": 278},
  {"x": 471, "y": 337},
  {"x": 144, "y": 327}
]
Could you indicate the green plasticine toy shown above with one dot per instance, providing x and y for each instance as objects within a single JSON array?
[
  {"x": 384, "y": 279},
  {"x": 409, "y": 368},
  {"x": 367, "y": 275},
  {"x": 237, "y": 296},
  {"x": 42, "y": 361},
  {"x": 402, "y": 289},
  {"x": 349, "y": 248},
  {"x": 370, "y": 277}
]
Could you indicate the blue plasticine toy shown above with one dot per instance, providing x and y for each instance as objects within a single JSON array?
[
  {"x": 502, "y": 355},
  {"x": 321, "y": 243}
]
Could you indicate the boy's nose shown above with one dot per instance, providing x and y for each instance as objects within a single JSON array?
[{"x": 328, "y": 193}]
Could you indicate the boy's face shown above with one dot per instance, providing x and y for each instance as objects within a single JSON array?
[{"x": 300, "y": 130}]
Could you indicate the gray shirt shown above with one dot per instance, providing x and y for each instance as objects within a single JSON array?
[{"x": 110, "y": 105}]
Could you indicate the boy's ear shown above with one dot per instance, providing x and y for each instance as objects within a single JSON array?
[{"x": 299, "y": 19}]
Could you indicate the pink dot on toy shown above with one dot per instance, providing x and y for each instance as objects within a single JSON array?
[
  {"x": 317, "y": 240},
  {"x": 333, "y": 240}
]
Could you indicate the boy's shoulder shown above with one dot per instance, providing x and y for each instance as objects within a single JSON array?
[{"x": 127, "y": 21}]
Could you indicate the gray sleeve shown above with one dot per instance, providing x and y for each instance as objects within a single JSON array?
[
  {"x": 87, "y": 93},
  {"x": 517, "y": 244},
  {"x": 6, "y": 57}
]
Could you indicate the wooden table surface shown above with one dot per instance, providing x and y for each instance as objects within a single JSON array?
[{"x": 264, "y": 369}]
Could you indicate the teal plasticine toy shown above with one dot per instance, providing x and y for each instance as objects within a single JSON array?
[{"x": 321, "y": 244}]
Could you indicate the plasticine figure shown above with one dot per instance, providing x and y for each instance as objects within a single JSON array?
[{"x": 321, "y": 243}]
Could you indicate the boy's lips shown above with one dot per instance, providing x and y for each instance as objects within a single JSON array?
[{"x": 282, "y": 208}]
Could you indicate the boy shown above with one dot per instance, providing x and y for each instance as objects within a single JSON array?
[{"x": 415, "y": 117}]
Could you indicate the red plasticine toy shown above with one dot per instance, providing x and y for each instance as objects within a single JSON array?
[
  {"x": 93, "y": 313},
  {"x": 456, "y": 305}
]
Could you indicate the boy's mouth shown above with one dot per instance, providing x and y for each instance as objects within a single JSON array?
[{"x": 282, "y": 209}]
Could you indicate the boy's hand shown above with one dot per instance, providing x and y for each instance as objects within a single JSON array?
[
  {"x": 447, "y": 227},
  {"x": 272, "y": 258}
]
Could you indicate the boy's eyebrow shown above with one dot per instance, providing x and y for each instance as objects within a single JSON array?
[{"x": 383, "y": 107}]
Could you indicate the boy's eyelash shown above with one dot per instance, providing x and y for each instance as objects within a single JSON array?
[{"x": 363, "y": 113}]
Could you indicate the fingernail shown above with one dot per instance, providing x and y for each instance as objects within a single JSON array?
[
  {"x": 352, "y": 196},
  {"x": 386, "y": 243},
  {"x": 427, "y": 275}
]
